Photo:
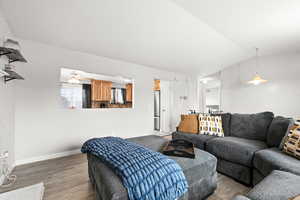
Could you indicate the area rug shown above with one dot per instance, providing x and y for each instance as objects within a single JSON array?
[{"x": 34, "y": 192}]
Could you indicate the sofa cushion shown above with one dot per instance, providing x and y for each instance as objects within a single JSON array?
[
  {"x": 251, "y": 126},
  {"x": 267, "y": 160},
  {"x": 277, "y": 130},
  {"x": 278, "y": 185},
  {"x": 198, "y": 140},
  {"x": 234, "y": 149},
  {"x": 226, "y": 120}
]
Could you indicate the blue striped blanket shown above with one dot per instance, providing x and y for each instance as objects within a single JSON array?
[{"x": 147, "y": 175}]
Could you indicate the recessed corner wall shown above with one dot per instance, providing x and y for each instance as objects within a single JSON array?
[{"x": 280, "y": 94}]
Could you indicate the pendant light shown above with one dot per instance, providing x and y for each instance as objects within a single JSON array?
[{"x": 257, "y": 79}]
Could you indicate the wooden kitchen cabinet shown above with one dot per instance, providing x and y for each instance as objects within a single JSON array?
[
  {"x": 156, "y": 85},
  {"x": 129, "y": 92},
  {"x": 96, "y": 90},
  {"x": 106, "y": 86},
  {"x": 101, "y": 90}
]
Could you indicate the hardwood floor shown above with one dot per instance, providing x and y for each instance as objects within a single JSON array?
[
  {"x": 228, "y": 188},
  {"x": 67, "y": 179},
  {"x": 64, "y": 178}
]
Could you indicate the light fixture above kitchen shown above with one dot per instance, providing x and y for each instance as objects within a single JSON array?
[
  {"x": 74, "y": 78},
  {"x": 257, "y": 79},
  {"x": 206, "y": 80}
]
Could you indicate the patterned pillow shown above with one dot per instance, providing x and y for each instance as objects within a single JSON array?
[
  {"x": 292, "y": 144},
  {"x": 211, "y": 125},
  {"x": 295, "y": 198},
  {"x": 292, "y": 127}
]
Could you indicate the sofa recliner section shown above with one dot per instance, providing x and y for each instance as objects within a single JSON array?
[
  {"x": 235, "y": 156},
  {"x": 267, "y": 160},
  {"x": 257, "y": 176},
  {"x": 238, "y": 172},
  {"x": 234, "y": 149}
]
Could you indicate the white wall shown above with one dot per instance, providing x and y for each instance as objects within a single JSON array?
[
  {"x": 43, "y": 127},
  {"x": 280, "y": 95},
  {"x": 185, "y": 87},
  {"x": 6, "y": 103}
]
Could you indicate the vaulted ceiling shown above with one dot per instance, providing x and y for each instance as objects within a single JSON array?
[
  {"x": 271, "y": 25},
  {"x": 194, "y": 36}
]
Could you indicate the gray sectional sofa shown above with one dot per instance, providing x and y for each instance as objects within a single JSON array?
[
  {"x": 250, "y": 150},
  {"x": 279, "y": 185}
]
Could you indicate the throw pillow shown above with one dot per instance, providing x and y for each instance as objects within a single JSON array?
[
  {"x": 292, "y": 144},
  {"x": 226, "y": 121},
  {"x": 211, "y": 125},
  {"x": 189, "y": 124},
  {"x": 290, "y": 129},
  {"x": 295, "y": 198}
]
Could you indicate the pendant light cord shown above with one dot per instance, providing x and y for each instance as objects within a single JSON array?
[{"x": 256, "y": 49}]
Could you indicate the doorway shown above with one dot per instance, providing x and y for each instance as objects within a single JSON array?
[{"x": 212, "y": 95}]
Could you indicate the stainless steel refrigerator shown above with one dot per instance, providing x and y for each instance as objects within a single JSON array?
[{"x": 157, "y": 110}]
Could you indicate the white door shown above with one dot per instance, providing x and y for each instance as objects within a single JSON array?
[{"x": 165, "y": 106}]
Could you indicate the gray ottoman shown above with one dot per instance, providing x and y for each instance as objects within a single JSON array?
[
  {"x": 200, "y": 173},
  {"x": 279, "y": 185}
]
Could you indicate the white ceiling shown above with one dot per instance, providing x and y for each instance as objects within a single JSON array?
[
  {"x": 271, "y": 25},
  {"x": 194, "y": 36}
]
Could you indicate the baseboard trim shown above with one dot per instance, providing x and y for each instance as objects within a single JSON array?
[
  {"x": 46, "y": 157},
  {"x": 160, "y": 133}
]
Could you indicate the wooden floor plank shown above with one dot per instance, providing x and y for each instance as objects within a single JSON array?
[{"x": 67, "y": 179}]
